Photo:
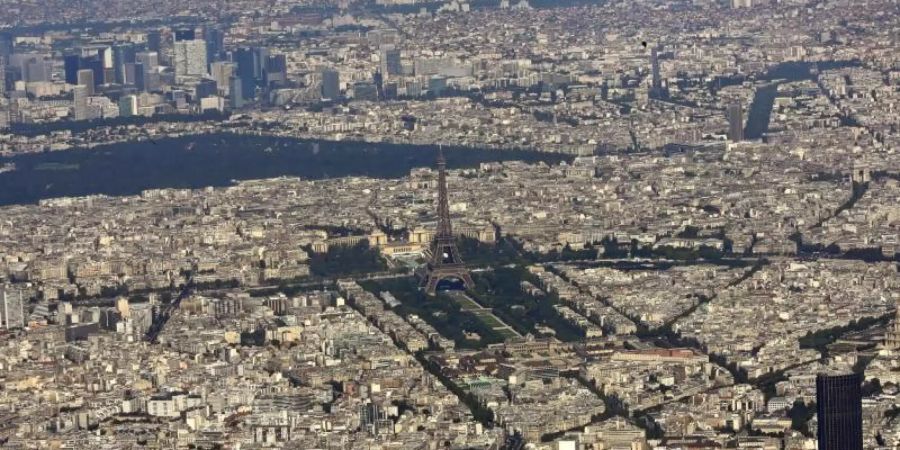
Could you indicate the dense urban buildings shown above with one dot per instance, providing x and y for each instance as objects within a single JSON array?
[{"x": 420, "y": 225}]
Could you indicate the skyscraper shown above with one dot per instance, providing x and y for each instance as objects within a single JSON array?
[
  {"x": 4, "y": 118},
  {"x": 128, "y": 105},
  {"x": 94, "y": 64},
  {"x": 79, "y": 107},
  {"x": 6, "y": 47},
  {"x": 107, "y": 65},
  {"x": 657, "y": 90},
  {"x": 839, "y": 406},
  {"x": 331, "y": 84},
  {"x": 129, "y": 74},
  {"x": 246, "y": 71},
  {"x": 154, "y": 41},
  {"x": 236, "y": 92},
  {"x": 365, "y": 91},
  {"x": 71, "y": 65},
  {"x": 38, "y": 69},
  {"x": 86, "y": 79},
  {"x": 260, "y": 55},
  {"x": 222, "y": 71},
  {"x": 378, "y": 80},
  {"x": 276, "y": 70},
  {"x": 149, "y": 61},
  {"x": 654, "y": 69},
  {"x": 735, "y": 115},
  {"x": 390, "y": 62},
  {"x": 122, "y": 54},
  {"x": 215, "y": 43},
  {"x": 139, "y": 80},
  {"x": 185, "y": 34},
  {"x": 206, "y": 88},
  {"x": 437, "y": 85},
  {"x": 12, "y": 308},
  {"x": 190, "y": 57}
]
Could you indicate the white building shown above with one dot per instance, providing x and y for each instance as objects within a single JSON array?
[
  {"x": 190, "y": 58},
  {"x": 12, "y": 308}
]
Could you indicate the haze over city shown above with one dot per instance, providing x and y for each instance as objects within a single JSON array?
[{"x": 450, "y": 225}]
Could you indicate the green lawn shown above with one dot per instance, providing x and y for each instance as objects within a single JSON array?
[
  {"x": 441, "y": 312},
  {"x": 466, "y": 303},
  {"x": 499, "y": 290}
]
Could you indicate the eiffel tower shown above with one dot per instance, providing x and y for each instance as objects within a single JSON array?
[{"x": 446, "y": 261}]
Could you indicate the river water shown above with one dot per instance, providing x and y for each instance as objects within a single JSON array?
[{"x": 217, "y": 160}]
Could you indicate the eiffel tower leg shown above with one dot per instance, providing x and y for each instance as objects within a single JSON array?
[
  {"x": 431, "y": 285},
  {"x": 467, "y": 280}
]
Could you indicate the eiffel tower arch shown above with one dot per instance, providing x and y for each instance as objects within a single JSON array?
[{"x": 446, "y": 262}]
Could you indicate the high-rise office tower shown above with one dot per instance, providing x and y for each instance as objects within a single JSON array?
[
  {"x": 185, "y": 34},
  {"x": 206, "y": 88},
  {"x": 154, "y": 41},
  {"x": 378, "y": 81},
  {"x": 236, "y": 86},
  {"x": 260, "y": 55},
  {"x": 222, "y": 71},
  {"x": 152, "y": 81},
  {"x": 106, "y": 55},
  {"x": 735, "y": 115},
  {"x": 391, "y": 64},
  {"x": 86, "y": 79},
  {"x": 365, "y": 91},
  {"x": 79, "y": 107},
  {"x": 2, "y": 79},
  {"x": 94, "y": 64},
  {"x": 243, "y": 57},
  {"x": 37, "y": 70},
  {"x": 12, "y": 308},
  {"x": 839, "y": 407},
  {"x": 150, "y": 59},
  {"x": 331, "y": 84},
  {"x": 122, "y": 54},
  {"x": 129, "y": 74},
  {"x": 437, "y": 85},
  {"x": 6, "y": 47},
  {"x": 128, "y": 105},
  {"x": 276, "y": 70},
  {"x": 190, "y": 57},
  {"x": 654, "y": 70},
  {"x": 139, "y": 80},
  {"x": 71, "y": 66},
  {"x": 654, "y": 67},
  {"x": 215, "y": 43}
]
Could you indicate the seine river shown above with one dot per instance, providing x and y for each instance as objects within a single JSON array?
[
  {"x": 218, "y": 160},
  {"x": 761, "y": 110}
]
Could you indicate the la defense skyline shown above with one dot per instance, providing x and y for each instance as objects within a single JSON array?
[{"x": 454, "y": 225}]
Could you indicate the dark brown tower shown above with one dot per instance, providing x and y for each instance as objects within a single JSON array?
[{"x": 445, "y": 259}]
